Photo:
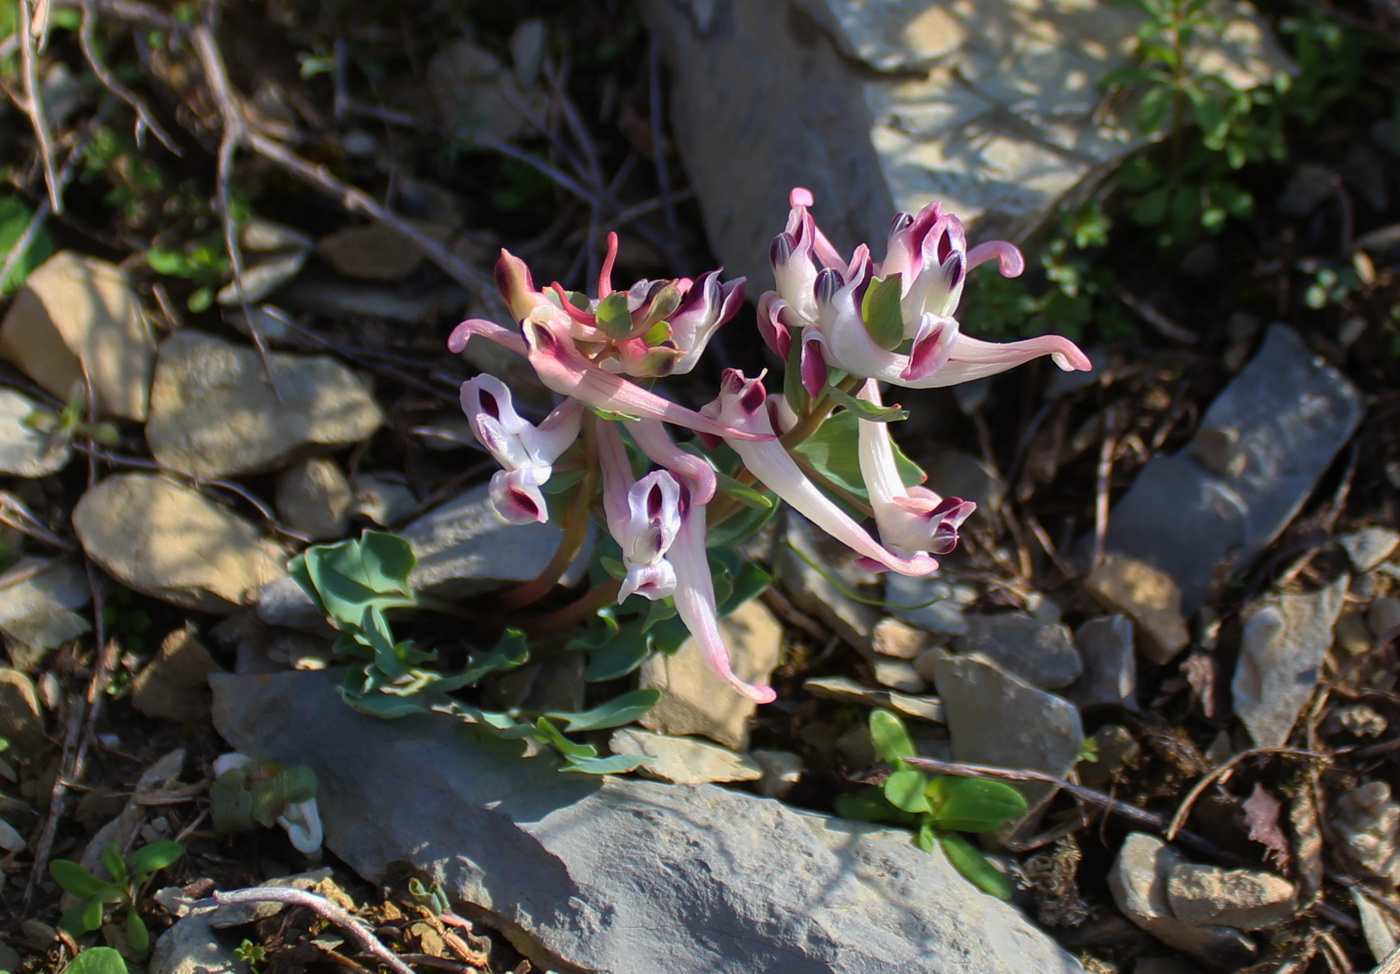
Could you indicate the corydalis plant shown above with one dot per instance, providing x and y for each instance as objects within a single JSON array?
[{"x": 842, "y": 327}]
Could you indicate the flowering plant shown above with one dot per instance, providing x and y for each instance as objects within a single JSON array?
[{"x": 842, "y": 326}]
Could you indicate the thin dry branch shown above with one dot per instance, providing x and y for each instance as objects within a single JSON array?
[
  {"x": 1222, "y": 771},
  {"x": 323, "y": 908},
  {"x": 113, "y": 84},
  {"x": 31, "y": 27}
]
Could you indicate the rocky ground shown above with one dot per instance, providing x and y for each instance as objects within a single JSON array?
[{"x": 1172, "y": 622}]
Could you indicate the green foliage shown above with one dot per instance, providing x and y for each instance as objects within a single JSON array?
[
  {"x": 97, "y": 960},
  {"x": 124, "y": 888},
  {"x": 936, "y": 808},
  {"x": 250, "y": 953},
  {"x": 881, "y": 311},
  {"x": 833, "y": 452},
  {"x": 257, "y": 794},
  {"x": 204, "y": 265},
  {"x": 14, "y": 220},
  {"x": 71, "y": 422}
]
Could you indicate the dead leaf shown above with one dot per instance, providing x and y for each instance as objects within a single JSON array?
[{"x": 1261, "y": 811}]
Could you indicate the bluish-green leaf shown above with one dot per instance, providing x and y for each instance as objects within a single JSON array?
[
  {"x": 973, "y": 804},
  {"x": 348, "y": 577},
  {"x": 905, "y": 790},
  {"x": 510, "y": 652},
  {"x": 891, "y": 738},
  {"x": 614, "y": 713},
  {"x": 744, "y": 493},
  {"x": 613, "y": 764},
  {"x": 970, "y": 861},
  {"x": 881, "y": 312},
  {"x": 739, "y": 526}
]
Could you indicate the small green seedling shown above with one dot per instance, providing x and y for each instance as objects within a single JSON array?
[
  {"x": 97, "y": 960},
  {"x": 251, "y": 954},
  {"x": 71, "y": 422},
  {"x": 936, "y": 808},
  {"x": 124, "y": 889},
  {"x": 204, "y": 265}
]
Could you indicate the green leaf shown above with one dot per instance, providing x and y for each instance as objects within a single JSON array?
[
  {"x": 905, "y": 790},
  {"x": 613, "y": 317},
  {"x": 97, "y": 960},
  {"x": 869, "y": 805},
  {"x": 926, "y": 838},
  {"x": 1151, "y": 209},
  {"x": 1152, "y": 110},
  {"x": 867, "y": 410},
  {"x": 84, "y": 918},
  {"x": 793, "y": 390},
  {"x": 739, "y": 526},
  {"x": 973, "y": 804},
  {"x": 75, "y": 879},
  {"x": 613, "y": 764},
  {"x": 545, "y": 732},
  {"x": 137, "y": 936},
  {"x": 751, "y": 581},
  {"x": 1138, "y": 173},
  {"x": 201, "y": 299},
  {"x": 743, "y": 493},
  {"x": 881, "y": 312},
  {"x": 969, "y": 860},
  {"x": 171, "y": 263},
  {"x": 615, "y": 713},
  {"x": 382, "y": 705},
  {"x": 111, "y": 860},
  {"x": 158, "y": 855},
  {"x": 510, "y": 651},
  {"x": 348, "y": 577},
  {"x": 891, "y": 738},
  {"x": 14, "y": 220},
  {"x": 834, "y": 452}
]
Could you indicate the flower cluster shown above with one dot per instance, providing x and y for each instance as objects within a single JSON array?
[{"x": 845, "y": 325}]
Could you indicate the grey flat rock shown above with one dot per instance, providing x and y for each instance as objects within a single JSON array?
[
  {"x": 992, "y": 107},
  {"x": 684, "y": 760},
  {"x": 934, "y": 604},
  {"x": 37, "y": 604},
  {"x": 24, "y": 450},
  {"x": 1241, "y": 898},
  {"x": 1281, "y": 650},
  {"x": 1110, "y": 665},
  {"x": 995, "y": 718},
  {"x": 1259, "y": 452},
  {"x": 620, "y": 875},
  {"x": 1038, "y": 653},
  {"x": 1370, "y": 546}
]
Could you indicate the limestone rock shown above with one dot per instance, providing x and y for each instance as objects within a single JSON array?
[
  {"x": 1240, "y": 898},
  {"x": 24, "y": 450},
  {"x": 37, "y": 603},
  {"x": 684, "y": 760},
  {"x": 696, "y": 701},
  {"x": 992, "y": 107},
  {"x": 781, "y": 771},
  {"x": 1370, "y": 546},
  {"x": 996, "y": 718},
  {"x": 175, "y": 684},
  {"x": 1290, "y": 412},
  {"x": 817, "y": 592},
  {"x": 191, "y": 946},
  {"x": 898, "y": 674},
  {"x": 214, "y": 413},
  {"x": 1367, "y": 820},
  {"x": 171, "y": 542},
  {"x": 1281, "y": 649},
  {"x": 900, "y": 640},
  {"x": 933, "y": 603},
  {"x": 1116, "y": 748},
  {"x": 1138, "y": 881},
  {"x": 726, "y": 882},
  {"x": 77, "y": 313},
  {"x": 1041, "y": 654},
  {"x": 843, "y": 690},
  {"x": 380, "y": 500},
  {"x": 476, "y": 95},
  {"x": 314, "y": 498},
  {"x": 1110, "y": 665},
  {"x": 377, "y": 252},
  {"x": 1149, "y": 596}
]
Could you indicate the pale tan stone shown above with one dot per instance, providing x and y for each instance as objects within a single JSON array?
[{"x": 1149, "y": 596}]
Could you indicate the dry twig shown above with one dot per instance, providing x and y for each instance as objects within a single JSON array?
[
  {"x": 323, "y": 908},
  {"x": 1223, "y": 771},
  {"x": 31, "y": 27}
]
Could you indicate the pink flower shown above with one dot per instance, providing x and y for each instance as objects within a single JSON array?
[
  {"x": 643, "y": 517},
  {"x": 742, "y": 404},
  {"x": 911, "y": 520},
  {"x": 525, "y": 452}
]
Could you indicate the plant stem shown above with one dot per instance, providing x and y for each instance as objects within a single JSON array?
[
  {"x": 577, "y": 611},
  {"x": 574, "y": 533}
]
